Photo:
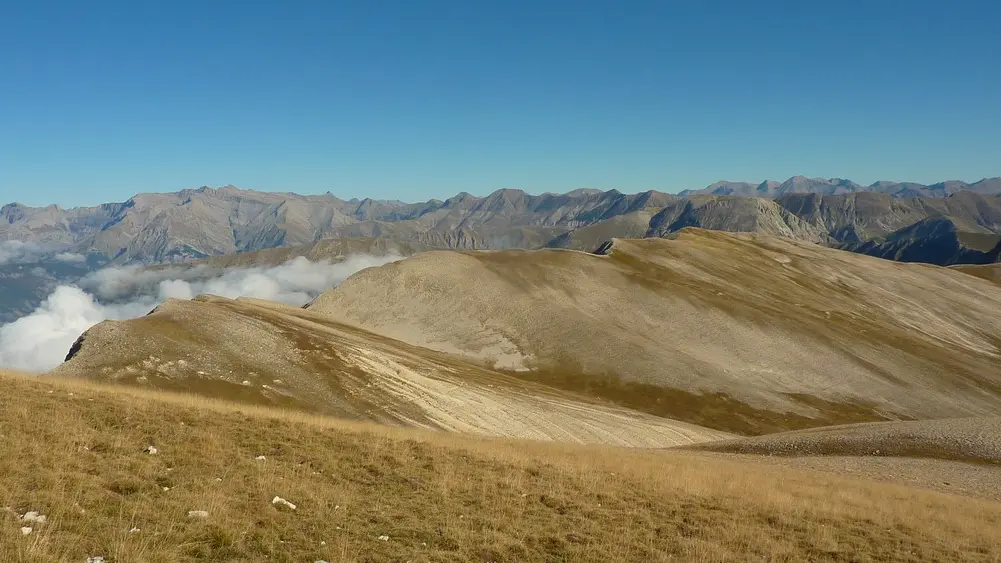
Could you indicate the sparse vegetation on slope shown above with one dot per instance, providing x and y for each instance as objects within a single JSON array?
[{"x": 75, "y": 452}]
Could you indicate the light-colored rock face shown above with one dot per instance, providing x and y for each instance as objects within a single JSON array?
[
  {"x": 773, "y": 323},
  {"x": 263, "y": 353},
  {"x": 734, "y": 214}
]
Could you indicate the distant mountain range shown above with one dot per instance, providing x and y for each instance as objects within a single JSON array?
[
  {"x": 955, "y": 222},
  {"x": 838, "y": 186}
]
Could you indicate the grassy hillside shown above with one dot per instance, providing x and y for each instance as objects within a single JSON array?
[
  {"x": 746, "y": 333},
  {"x": 74, "y": 451}
]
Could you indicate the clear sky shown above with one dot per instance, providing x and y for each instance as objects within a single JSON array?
[{"x": 417, "y": 99}]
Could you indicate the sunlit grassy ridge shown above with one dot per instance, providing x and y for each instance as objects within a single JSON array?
[{"x": 74, "y": 451}]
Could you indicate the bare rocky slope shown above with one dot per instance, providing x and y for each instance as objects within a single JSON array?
[
  {"x": 264, "y": 353},
  {"x": 936, "y": 240},
  {"x": 748, "y": 333}
]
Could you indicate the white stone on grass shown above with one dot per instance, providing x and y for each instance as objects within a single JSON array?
[
  {"x": 383, "y": 538},
  {"x": 151, "y": 450},
  {"x": 198, "y": 514},
  {"x": 260, "y": 458},
  {"x": 33, "y": 517},
  {"x": 25, "y": 531},
  {"x": 279, "y": 502}
]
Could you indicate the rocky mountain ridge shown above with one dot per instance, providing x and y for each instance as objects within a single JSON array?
[{"x": 204, "y": 222}]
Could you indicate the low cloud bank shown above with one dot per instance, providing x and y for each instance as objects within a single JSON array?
[
  {"x": 15, "y": 252},
  {"x": 40, "y": 341},
  {"x": 19, "y": 252}
]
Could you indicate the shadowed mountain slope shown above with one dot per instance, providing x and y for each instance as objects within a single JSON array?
[
  {"x": 263, "y": 353},
  {"x": 744, "y": 332},
  {"x": 936, "y": 240}
]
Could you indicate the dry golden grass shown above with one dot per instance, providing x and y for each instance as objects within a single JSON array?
[
  {"x": 989, "y": 272},
  {"x": 73, "y": 450}
]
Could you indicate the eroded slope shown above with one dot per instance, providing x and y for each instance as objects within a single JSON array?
[{"x": 260, "y": 352}]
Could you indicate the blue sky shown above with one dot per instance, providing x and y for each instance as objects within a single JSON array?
[{"x": 412, "y": 100}]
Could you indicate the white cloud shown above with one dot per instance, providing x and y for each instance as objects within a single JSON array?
[
  {"x": 70, "y": 257},
  {"x": 40, "y": 341},
  {"x": 15, "y": 251},
  {"x": 19, "y": 252}
]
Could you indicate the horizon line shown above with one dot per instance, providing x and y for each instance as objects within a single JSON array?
[{"x": 527, "y": 192}]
